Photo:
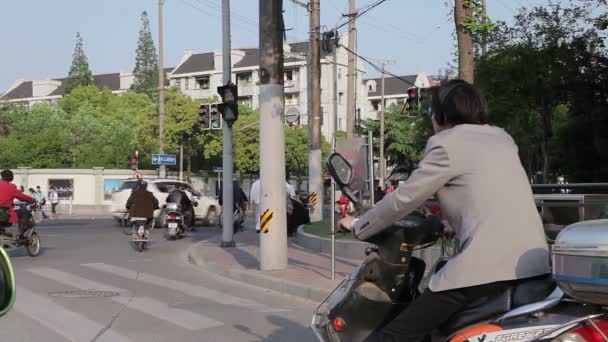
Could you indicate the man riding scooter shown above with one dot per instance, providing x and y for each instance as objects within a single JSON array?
[
  {"x": 8, "y": 194},
  {"x": 142, "y": 203},
  {"x": 180, "y": 197},
  {"x": 475, "y": 170}
]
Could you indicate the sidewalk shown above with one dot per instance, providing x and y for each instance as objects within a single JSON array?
[{"x": 308, "y": 274}]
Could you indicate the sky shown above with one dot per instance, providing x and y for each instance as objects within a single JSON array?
[{"x": 38, "y": 36}]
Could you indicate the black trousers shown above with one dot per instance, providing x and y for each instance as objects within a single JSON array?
[{"x": 430, "y": 310}]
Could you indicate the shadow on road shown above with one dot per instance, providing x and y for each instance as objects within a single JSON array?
[
  {"x": 21, "y": 252},
  {"x": 286, "y": 330}
]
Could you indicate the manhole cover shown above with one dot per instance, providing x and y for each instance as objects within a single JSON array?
[{"x": 83, "y": 294}]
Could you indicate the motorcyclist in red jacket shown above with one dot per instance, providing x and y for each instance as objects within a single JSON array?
[{"x": 8, "y": 193}]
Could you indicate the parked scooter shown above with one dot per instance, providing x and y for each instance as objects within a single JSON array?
[
  {"x": 531, "y": 310},
  {"x": 175, "y": 221}
]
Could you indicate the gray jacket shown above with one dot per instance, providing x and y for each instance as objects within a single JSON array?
[{"x": 485, "y": 195}]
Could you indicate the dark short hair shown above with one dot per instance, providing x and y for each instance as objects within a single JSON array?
[
  {"x": 459, "y": 102},
  {"x": 7, "y": 175}
]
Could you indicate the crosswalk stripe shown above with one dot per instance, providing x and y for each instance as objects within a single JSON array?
[
  {"x": 72, "y": 326},
  {"x": 186, "y": 288},
  {"x": 183, "y": 318}
]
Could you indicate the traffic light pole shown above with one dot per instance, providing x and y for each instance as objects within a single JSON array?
[
  {"x": 382, "y": 163},
  {"x": 161, "y": 88},
  {"x": 273, "y": 234},
  {"x": 227, "y": 160}
]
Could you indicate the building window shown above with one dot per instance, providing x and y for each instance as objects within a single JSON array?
[
  {"x": 340, "y": 97},
  {"x": 203, "y": 82},
  {"x": 245, "y": 101},
  {"x": 376, "y": 105},
  {"x": 401, "y": 101},
  {"x": 178, "y": 83},
  {"x": 339, "y": 73},
  {"x": 243, "y": 78},
  {"x": 291, "y": 99},
  {"x": 187, "y": 83},
  {"x": 291, "y": 75}
]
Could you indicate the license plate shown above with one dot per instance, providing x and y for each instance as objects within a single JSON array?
[{"x": 172, "y": 224}]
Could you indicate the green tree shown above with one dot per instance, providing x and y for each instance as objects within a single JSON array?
[
  {"x": 546, "y": 84},
  {"x": 146, "y": 62},
  {"x": 79, "y": 74},
  {"x": 247, "y": 141},
  {"x": 404, "y": 137},
  {"x": 103, "y": 126},
  {"x": 37, "y": 138}
]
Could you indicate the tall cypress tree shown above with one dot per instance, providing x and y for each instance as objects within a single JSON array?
[
  {"x": 146, "y": 62},
  {"x": 80, "y": 74}
]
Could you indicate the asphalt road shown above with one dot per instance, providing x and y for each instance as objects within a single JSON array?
[{"x": 89, "y": 284}]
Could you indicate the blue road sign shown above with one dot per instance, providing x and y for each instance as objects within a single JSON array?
[
  {"x": 164, "y": 159},
  {"x": 218, "y": 169}
]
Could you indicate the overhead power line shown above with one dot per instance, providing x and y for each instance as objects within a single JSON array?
[
  {"x": 378, "y": 68},
  {"x": 358, "y": 13}
]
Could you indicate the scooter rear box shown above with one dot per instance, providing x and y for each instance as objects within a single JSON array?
[{"x": 580, "y": 261}]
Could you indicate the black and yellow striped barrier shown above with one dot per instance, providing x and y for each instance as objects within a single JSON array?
[
  {"x": 265, "y": 221},
  {"x": 313, "y": 199}
]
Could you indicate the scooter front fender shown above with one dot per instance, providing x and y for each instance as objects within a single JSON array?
[{"x": 360, "y": 301}]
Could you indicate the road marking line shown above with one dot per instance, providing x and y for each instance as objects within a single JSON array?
[
  {"x": 183, "y": 318},
  {"x": 183, "y": 287},
  {"x": 71, "y": 325}
]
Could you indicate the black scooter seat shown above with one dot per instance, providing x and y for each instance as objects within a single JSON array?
[{"x": 523, "y": 292}]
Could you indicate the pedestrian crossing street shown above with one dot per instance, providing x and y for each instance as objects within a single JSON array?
[{"x": 142, "y": 297}]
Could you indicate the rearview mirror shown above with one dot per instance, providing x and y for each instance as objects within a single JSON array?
[
  {"x": 342, "y": 173},
  {"x": 7, "y": 283},
  {"x": 340, "y": 169}
]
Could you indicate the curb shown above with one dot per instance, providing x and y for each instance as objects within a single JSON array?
[
  {"x": 258, "y": 278},
  {"x": 347, "y": 249}
]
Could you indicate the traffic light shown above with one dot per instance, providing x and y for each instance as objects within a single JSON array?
[
  {"x": 134, "y": 160},
  {"x": 229, "y": 106},
  {"x": 412, "y": 99},
  {"x": 216, "y": 118},
  {"x": 204, "y": 117}
]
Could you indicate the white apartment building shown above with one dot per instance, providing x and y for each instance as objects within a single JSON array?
[
  {"x": 395, "y": 91},
  {"x": 199, "y": 74}
]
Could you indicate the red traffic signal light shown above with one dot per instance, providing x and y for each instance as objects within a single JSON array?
[
  {"x": 133, "y": 159},
  {"x": 204, "y": 116},
  {"x": 412, "y": 93}
]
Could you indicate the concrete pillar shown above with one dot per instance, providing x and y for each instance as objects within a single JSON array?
[
  {"x": 24, "y": 175},
  {"x": 99, "y": 189}
]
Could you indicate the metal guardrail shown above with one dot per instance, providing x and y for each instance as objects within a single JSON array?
[{"x": 571, "y": 186}]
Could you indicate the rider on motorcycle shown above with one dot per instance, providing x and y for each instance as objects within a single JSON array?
[
  {"x": 180, "y": 197},
  {"x": 8, "y": 194},
  {"x": 142, "y": 203},
  {"x": 475, "y": 170}
]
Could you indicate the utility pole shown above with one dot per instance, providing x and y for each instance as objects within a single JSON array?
[
  {"x": 466, "y": 67},
  {"x": 382, "y": 165},
  {"x": 315, "y": 172},
  {"x": 273, "y": 235},
  {"x": 161, "y": 88},
  {"x": 484, "y": 38},
  {"x": 335, "y": 91},
  {"x": 227, "y": 160},
  {"x": 350, "y": 85}
]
